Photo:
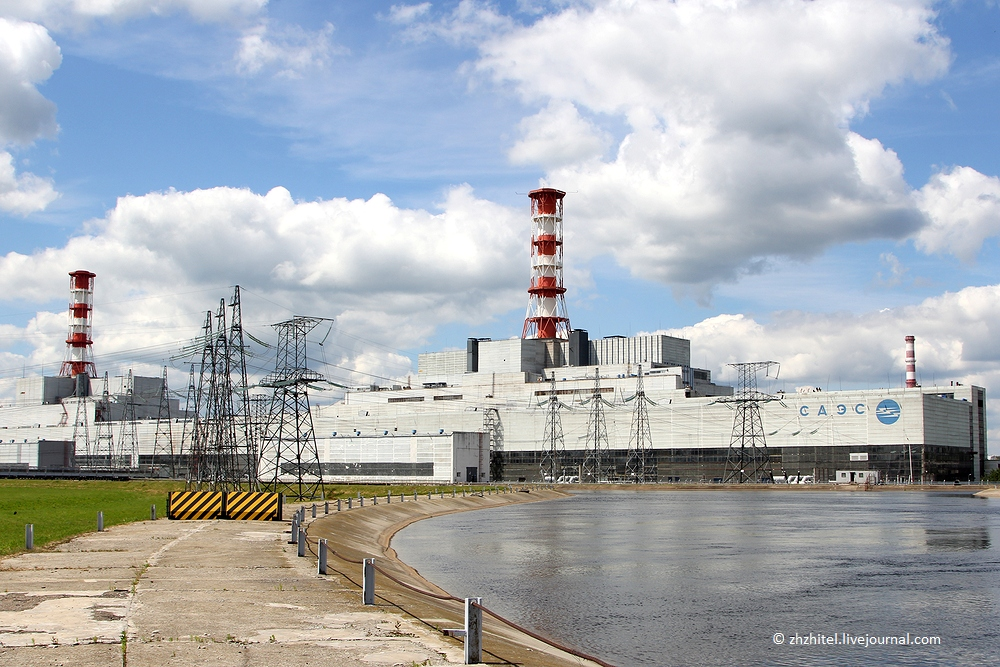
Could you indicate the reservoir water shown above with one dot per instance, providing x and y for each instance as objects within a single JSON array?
[{"x": 734, "y": 578}]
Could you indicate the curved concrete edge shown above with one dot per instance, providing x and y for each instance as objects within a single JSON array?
[
  {"x": 367, "y": 533},
  {"x": 988, "y": 493}
]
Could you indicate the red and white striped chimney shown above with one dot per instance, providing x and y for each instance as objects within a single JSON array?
[
  {"x": 79, "y": 342},
  {"x": 911, "y": 363},
  {"x": 546, "y": 316}
]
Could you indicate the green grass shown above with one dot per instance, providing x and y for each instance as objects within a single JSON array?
[{"x": 63, "y": 508}]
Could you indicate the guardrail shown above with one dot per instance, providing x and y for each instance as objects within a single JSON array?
[{"x": 472, "y": 630}]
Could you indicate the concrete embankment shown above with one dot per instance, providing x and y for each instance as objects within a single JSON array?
[
  {"x": 356, "y": 535},
  {"x": 233, "y": 593}
]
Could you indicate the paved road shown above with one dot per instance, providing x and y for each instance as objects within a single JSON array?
[{"x": 206, "y": 593}]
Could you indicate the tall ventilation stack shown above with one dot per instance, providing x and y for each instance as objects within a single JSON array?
[
  {"x": 79, "y": 342},
  {"x": 547, "y": 316},
  {"x": 911, "y": 363}
]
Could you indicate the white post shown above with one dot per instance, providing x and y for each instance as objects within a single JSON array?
[
  {"x": 473, "y": 631},
  {"x": 295, "y": 530},
  {"x": 29, "y": 536},
  {"x": 302, "y": 542},
  {"x": 321, "y": 562},
  {"x": 368, "y": 582},
  {"x": 152, "y": 513},
  {"x": 100, "y": 521}
]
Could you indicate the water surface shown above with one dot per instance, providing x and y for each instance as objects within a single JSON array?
[{"x": 709, "y": 577}]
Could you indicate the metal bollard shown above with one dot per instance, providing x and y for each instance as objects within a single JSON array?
[
  {"x": 152, "y": 513},
  {"x": 361, "y": 502},
  {"x": 452, "y": 492},
  {"x": 338, "y": 503},
  {"x": 401, "y": 498},
  {"x": 326, "y": 507},
  {"x": 295, "y": 530},
  {"x": 29, "y": 536},
  {"x": 388, "y": 498},
  {"x": 302, "y": 542},
  {"x": 368, "y": 581},
  {"x": 463, "y": 493},
  {"x": 473, "y": 631},
  {"x": 321, "y": 557},
  {"x": 100, "y": 521},
  {"x": 314, "y": 511},
  {"x": 428, "y": 495},
  {"x": 414, "y": 496},
  {"x": 374, "y": 500}
]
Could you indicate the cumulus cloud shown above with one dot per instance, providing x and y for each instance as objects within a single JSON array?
[
  {"x": 289, "y": 51},
  {"x": 737, "y": 145},
  {"x": 964, "y": 210},
  {"x": 557, "y": 135},
  {"x": 958, "y": 338},
  {"x": 28, "y": 56},
  {"x": 58, "y": 14},
  {"x": 24, "y": 193},
  {"x": 385, "y": 273}
]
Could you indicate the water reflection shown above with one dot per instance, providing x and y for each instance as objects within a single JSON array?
[
  {"x": 706, "y": 578},
  {"x": 957, "y": 539}
]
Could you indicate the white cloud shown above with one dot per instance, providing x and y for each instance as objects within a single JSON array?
[
  {"x": 289, "y": 50},
  {"x": 386, "y": 274},
  {"x": 958, "y": 338},
  {"x": 469, "y": 23},
  {"x": 964, "y": 210},
  {"x": 737, "y": 146},
  {"x": 406, "y": 14},
  {"x": 28, "y": 56},
  {"x": 25, "y": 193},
  {"x": 558, "y": 135},
  {"x": 59, "y": 14}
]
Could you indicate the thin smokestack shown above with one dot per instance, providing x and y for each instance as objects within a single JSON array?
[{"x": 911, "y": 363}]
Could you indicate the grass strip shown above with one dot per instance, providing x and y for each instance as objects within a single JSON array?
[{"x": 61, "y": 509}]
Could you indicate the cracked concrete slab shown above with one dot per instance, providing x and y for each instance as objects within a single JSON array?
[{"x": 208, "y": 593}]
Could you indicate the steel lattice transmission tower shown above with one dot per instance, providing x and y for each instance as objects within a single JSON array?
[
  {"x": 494, "y": 429},
  {"x": 748, "y": 460},
  {"x": 640, "y": 466},
  {"x": 553, "y": 445},
  {"x": 289, "y": 457},
  {"x": 246, "y": 443},
  {"x": 128, "y": 440},
  {"x": 597, "y": 457},
  {"x": 163, "y": 441},
  {"x": 190, "y": 425},
  {"x": 104, "y": 454}
]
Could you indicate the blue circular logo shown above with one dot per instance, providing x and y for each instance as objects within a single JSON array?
[{"x": 888, "y": 411}]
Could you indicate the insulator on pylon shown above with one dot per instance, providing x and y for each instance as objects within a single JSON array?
[
  {"x": 547, "y": 316},
  {"x": 79, "y": 342}
]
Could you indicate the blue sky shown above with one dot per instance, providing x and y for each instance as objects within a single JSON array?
[{"x": 823, "y": 175}]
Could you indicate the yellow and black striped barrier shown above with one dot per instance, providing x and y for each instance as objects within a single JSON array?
[
  {"x": 194, "y": 505},
  {"x": 252, "y": 506},
  {"x": 237, "y": 505}
]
